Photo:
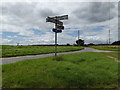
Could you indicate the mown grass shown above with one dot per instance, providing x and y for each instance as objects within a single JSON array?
[
  {"x": 112, "y": 54},
  {"x": 109, "y": 47},
  {"x": 79, "y": 70},
  {"x": 10, "y": 51}
]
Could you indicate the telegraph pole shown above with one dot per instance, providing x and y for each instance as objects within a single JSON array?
[
  {"x": 109, "y": 36},
  {"x": 17, "y": 44},
  {"x": 78, "y": 34},
  {"x": 78, "y": 38},
  {"x": 109, "y": 23}
]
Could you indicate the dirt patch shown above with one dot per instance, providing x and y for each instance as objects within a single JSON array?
[{"x": 115, "y": 59}]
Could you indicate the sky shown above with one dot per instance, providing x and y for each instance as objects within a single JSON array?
[{"x": 25, "y": 22}]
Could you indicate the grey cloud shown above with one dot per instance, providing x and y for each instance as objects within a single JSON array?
[
  {"x": 96, "y": 12},
  {"x": 29, "y": 14},
  {"x": 18, "y": 13},
  {"x": 95, "y": 41},
  {"x": 46, "y": 12},
  {"x": 18, "y": 9},
  {"x": 33, "y": 15}
]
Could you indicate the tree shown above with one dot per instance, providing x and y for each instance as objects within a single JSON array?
[
  {"x": 116, "y": 43},
  {"x": 74, "y": 44},
  {"x": 91, "y": 44},
  {"x": 68, "y": 44},
  {"x": 80, "y": 42}
]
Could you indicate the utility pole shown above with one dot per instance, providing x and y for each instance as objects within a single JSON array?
[
  {"x": 78, "y": 34},
  {"x": 109, "y": 23},
  {"x": 78, "y": 39},
  {"x": 109, "y": 36},
  {"x": 17, "y": 44}
]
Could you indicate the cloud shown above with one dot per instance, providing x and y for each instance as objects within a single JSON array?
[
  {"x": 21, "y": 17},
  {"x": 14, "y": 28},
  {"x": 95, "y": 12},
  {"x": 46, "y": 12},
  {"x": 47, "y": 38},
  {"x": 5, "y": 41}
]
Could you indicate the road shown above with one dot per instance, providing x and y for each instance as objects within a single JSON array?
[{"x": 20, "y": 58}]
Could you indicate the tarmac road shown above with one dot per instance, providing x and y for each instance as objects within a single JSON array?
[{"x": 20, "y": 58}]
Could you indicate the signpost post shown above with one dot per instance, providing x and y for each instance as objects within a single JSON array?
[{"x": 58, "y": 26}]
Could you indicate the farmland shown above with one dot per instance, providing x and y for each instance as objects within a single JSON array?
[
  {"x": 11, "y": 51},
  {"x": 79, "y": 70},
  {"x": 108, "y": 47}
]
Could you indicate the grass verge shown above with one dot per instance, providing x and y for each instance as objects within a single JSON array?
[
  {"x": 79, "y": 70},
  {"x": 112, "y": 54},
  {"x": 110, "y": 48},
  {"x": 12, "y": 51}
]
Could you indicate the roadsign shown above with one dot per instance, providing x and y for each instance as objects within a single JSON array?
[
  {"x": 61, "y": 17},
  {"x": 54, "y": 30},
  {"x": 59, "y": 31},
  {"x": 60, "y": 27},
  {"x": 48, "y": 19}
]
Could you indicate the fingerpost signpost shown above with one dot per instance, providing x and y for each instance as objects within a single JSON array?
[{"x": 58, "y": 26}]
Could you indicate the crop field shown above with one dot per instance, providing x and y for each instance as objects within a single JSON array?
[
  {"x": 78, "y": 70},
  {"x": 108, "y": 47},
  {"x": 11, "y": 51}
]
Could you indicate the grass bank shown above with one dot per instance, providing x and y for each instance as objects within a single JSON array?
[
  {"x": 112, "y": 54},
  {"x": 11, "y": 51},
  {"x": 79, "y": 70},
  {"x": 109, "y": 47}
]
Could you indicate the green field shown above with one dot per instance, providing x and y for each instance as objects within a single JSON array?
[
  {"x": 113, "y": 54},
  {"x": 79, "y": 70},
  {"x": 107, "y": 47},
  {"x": 11, "y": 51}
]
